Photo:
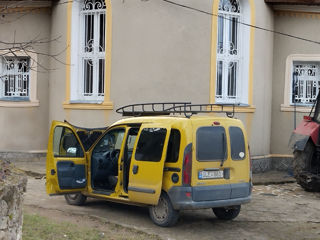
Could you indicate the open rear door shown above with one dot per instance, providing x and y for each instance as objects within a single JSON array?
[
  {"x": 66, "y": 161},
  {"x": 146, "y": 169}
]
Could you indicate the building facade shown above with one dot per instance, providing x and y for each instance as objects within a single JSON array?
[{"x": 84, "y": 59}]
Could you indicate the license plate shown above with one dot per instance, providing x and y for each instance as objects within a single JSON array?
[{"x": 210, "y": 174}]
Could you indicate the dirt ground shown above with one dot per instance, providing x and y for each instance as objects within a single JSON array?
[{"x": 276, "y": 212}]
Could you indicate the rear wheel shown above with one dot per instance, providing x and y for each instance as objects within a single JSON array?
[
  {"x": 302, "y": 167},
  {"x": 75, "y": 199},
  {"x": 227, "y": 213},
  {"x": 164, "y": 214}
]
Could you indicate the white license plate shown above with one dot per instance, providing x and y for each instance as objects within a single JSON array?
[{"x": 210, "y": 174}]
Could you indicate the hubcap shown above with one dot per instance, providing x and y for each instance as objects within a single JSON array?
[
  {"x": 72, "y": 196},
  {"x": 161, "y": 210}
]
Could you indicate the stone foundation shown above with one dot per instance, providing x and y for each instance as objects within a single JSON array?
[
  {"x": 22, "y": 156},
  {"x": 12, "y": 186},
  {"x": 272, "y": 163}
]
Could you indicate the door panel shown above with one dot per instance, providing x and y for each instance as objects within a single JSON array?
[
  {"x": 66, "y": 162},
  {"x": 146, "y": 169},
  {"x": 240, "y": 169},
  {"x": 70, "y": 175},
  {"x": 211, "y": 162}
]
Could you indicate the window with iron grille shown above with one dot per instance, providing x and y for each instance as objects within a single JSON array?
[
  {"x": 228, "y": 52},
  {"x": 305, "y": 82},
  {"x": 14, "y": 78},
  {"x": 91, "y": 49}
]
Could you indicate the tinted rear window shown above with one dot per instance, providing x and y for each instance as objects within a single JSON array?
[
  {"x": 150, "y": 145},
  {"x": 238, "y": 149},
  {"x": 211, "y": 143}
]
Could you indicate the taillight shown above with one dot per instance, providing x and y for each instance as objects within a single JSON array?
[{"x": 187, "y": 165}]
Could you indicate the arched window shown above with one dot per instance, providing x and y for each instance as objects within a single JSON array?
[
  {"x": 228, "y": 52},
  {"x": 90, "y": 52},
  {"x": 92, "y": 49}
]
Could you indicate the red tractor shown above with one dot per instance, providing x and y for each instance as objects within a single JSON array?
[{"x": 305, "y": 140}]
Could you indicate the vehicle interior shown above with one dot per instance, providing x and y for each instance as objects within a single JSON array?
[{"x": 104, "y": 161}]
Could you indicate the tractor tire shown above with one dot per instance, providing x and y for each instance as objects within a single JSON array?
[{"x": 302, "y": 166}]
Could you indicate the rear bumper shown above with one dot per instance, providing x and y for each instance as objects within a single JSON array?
[{"x": 207, "y": 197}]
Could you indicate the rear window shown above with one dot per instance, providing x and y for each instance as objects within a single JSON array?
[
  {"x": 238, "y": 149},
  {"x": 211, "y": 144},
  {"x": 150, "y": 144}
]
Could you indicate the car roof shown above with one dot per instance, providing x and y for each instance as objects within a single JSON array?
[{"x": 176, "y": 119}]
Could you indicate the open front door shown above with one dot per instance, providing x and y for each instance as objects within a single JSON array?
[
  {"x": 66, "y": 161},
  {"x": 146, "y": 168}
]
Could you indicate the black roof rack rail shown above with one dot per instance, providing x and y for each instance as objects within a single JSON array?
[
  {"x": 191, "y": 109},
  {"x": 149, "y": 109},
  {"x": 167, "y": 108}
]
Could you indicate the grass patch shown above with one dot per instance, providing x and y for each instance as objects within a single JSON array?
[{"x": 37, "y": 227}]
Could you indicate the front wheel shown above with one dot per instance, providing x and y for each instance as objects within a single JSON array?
[
  {"x": 227, "y": 213},
  {"x": 164, "y": 214},
  {"x": 75, "y": 199}
]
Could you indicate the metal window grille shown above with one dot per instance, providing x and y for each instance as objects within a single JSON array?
[
  {"x": 92, "y": 50},
  {"x": 305, "y": 82},
  {"x": 228, "y": 56},
  {"x": 15, "y": 77}
]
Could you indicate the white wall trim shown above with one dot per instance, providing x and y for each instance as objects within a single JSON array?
[{"x": 286, "y": 106}]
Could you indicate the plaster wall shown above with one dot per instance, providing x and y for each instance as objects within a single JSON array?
[
  {"x": 25, "y": 128},
  {"x": 146, "y": 65},
  {"x": 297, "y": 24},
  {"x": 258, "y": 124},
  {"x": 149, "y": 66}
]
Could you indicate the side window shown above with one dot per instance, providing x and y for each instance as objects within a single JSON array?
[
  {"x": 150, "y": 145},
  {"x": 238, "y": 149},
  {"x": 132, "y": 136},
  {"x": 211, "y": 144},
  {"x": 65, "y": 143},
  {"x": 109, "y": 142},
  {"x": 173, "y": 146}
]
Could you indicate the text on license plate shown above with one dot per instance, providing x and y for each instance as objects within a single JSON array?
[{"x": 210, "y": 174}]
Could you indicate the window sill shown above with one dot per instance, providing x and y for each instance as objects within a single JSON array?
[
  {"x": 19, "y": 104},
  {"x": 88, "y": 106},
  {"x": 237, "y": 109},
  {"x": 290, "y": 108}
]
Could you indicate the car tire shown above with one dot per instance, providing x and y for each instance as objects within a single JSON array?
[
  {"x": 77, "y": 199},
  {"x": 163, "y": 214},
  {"x": 227, "y": 213}
]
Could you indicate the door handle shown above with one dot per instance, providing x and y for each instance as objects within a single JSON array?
[{"x": 135, "y": 169}]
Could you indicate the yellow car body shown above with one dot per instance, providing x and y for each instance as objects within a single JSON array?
[{"x": 197, "y": 162}]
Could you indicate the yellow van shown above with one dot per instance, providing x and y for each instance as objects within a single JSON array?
[{"x": 167, "y": 163}]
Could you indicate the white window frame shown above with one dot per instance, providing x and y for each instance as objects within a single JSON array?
[
  {"x": 77, "y": 94},
  {"x": 21, "y": 101},
  {"x": 242, "y": 57},
  {"x": 288, "y": 105}
]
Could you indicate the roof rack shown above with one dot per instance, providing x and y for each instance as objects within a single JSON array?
[{"x": 167, "y": 108}]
